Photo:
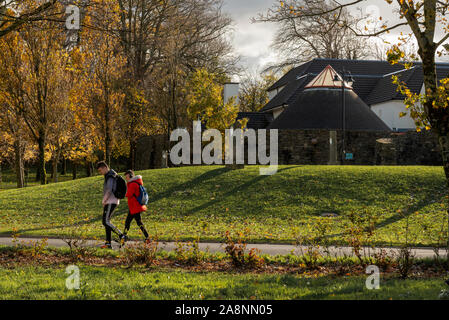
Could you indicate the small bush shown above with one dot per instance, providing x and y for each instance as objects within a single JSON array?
[
  {"x": 382, "y": 259},
  {"x": 236, "y": 250},
  {"x": 33, "y": 248},
  {"x": 141, "y": 253},
  {"x": 310, "y": 251},
  {"x": 405, "y": 261},
  {"x": 189, "y": 253},
  {"x": 77, "y": 241}
]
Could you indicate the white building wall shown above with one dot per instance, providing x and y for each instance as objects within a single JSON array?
[
  {"x": 389, "y": 112},
  {"x": 231, "y": 90},
  {"x": 277, "y": 112}
]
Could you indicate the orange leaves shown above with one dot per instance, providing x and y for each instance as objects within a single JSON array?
[{"x": 395, "y": 54}]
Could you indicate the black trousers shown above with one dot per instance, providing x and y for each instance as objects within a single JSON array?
[
  {"x": 138, "y": 219},
  {"x": 108, "y": 211}
]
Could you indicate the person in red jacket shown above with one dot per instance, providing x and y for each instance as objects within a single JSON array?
[{"x": 135, "y": 208}]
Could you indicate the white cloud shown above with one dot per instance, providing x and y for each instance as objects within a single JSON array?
[{"x": 251, "y": 40}]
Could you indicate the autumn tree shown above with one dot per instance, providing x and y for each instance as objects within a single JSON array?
[
  {"x": 141, "y": 33},
  {"x": 44, "y": 82},
  {"x": 205, "y": 96},
  {"x": 103, "y": 66},
  {"x": 13, "y": 14},
  {"x": 315, "y": 32},
  {"x": 197, "y": 40},
  {"x": 12, "y": 95}
]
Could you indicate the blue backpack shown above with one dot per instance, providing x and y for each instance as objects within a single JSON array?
[{"x": 143, "y": 195}]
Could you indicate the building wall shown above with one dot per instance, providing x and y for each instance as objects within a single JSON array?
[
  {"x": 231, "y": 90},
  {"x": 368, "y": 148},
  {"x": 389, "y": 113},
  {"x": 277, "y": 112}
]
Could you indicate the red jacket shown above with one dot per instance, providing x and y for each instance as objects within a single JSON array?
[{"x": 132, "y": 193}]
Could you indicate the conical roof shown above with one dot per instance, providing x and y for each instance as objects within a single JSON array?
[
  {"x": 321, "y": 108},
  {"x": 326, "y": 79}
]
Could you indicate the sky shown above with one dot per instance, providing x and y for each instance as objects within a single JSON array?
[{"x": 252, "y": 40}]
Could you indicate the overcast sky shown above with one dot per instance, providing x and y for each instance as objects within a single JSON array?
[{"x": 252, "y": 41}]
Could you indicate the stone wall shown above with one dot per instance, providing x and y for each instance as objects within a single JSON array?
[
  {"x": 303, "y": 146},
  {"x": 313, "y": 147},
  {"x": 410, "y": 148},
  {"x": 368, "y": 148}
]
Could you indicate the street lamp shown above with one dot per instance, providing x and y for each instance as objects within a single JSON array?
[{"x": 345, "y": 77}]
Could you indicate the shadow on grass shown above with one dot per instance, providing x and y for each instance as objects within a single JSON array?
[
  {"x": 237, "y": 189},
  {"x": 422, "y": 203},
  {"x": 182, "y": 187},
  {"x": 123, "y": 210}
]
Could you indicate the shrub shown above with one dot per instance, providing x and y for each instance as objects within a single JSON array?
[
  {"x": 34, "y": 248},
  {"x": 361, "y": 233},
  {"x": 236, "y": 250},
  {"x": 189, "y": 253},
  {"x": 310, "y": 250},
  {"x": 141, "y": 253},
  {"x": 405, "y": 258},
  {"x": 77, "y": 241}
]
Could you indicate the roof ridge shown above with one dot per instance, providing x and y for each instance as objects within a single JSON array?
[
  {"x": 399, "y": 71},
  {"x": 326, "y": 79}
]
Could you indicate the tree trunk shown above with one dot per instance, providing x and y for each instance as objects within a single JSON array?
[
  {"x": 18, "y": 164},
  {"x": 444, "y": 147},
  {"x": 55, "y": 168},
  {"x": 438, "y": 121},
  {"x": 41, "y": 164},
  {"x": 132, "y": 154},
  {"x": 64, "y": 166},
  {"x": 108, "y": 135},
  {"x": 88, "y": 169},
  {"x": 74, "y": 170},
  {"x": 26, "y": 176}
]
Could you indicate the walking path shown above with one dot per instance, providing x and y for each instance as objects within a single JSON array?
[{"x": 269, "y": 249}]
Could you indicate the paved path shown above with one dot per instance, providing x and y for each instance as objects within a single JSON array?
[{"x": 269, "y": 249}]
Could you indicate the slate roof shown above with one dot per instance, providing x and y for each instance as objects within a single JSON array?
[
  {"x": 372, "y": 68},
  {"x": 372, "y": 79},
  {"x": 289, "y": 93},
  {"x": 317, "y": 109},
  {"x": 385, "y": 90},
  {"x": 257, "y": 120}
]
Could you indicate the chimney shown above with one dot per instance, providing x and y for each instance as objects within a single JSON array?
[{"x": 231, "y": 89}]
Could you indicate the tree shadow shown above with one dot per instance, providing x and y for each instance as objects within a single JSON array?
[
  {"x": 418, "y": 206},
  {"x": 120, "y": 212},
  {"x": 181, "y": 187},
  {"x": 123, "y": 210},
  {"x": 234, "y": 191}
]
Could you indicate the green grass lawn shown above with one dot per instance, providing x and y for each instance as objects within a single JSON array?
[
  {"x": 8, "y": 179},
  {"x": 117, "y": 283},
  {"x": 185, "y": 202}
]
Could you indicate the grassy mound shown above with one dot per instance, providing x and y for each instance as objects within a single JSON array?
[{"x": 206, "y": 201}]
